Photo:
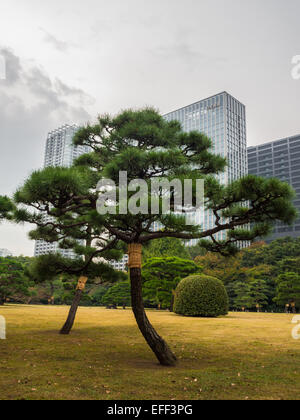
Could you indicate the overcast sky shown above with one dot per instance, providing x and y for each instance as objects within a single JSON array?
[{"x": 68, "y": 60}]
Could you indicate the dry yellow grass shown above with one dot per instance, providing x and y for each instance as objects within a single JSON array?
[{"x": 241, "y": 356}]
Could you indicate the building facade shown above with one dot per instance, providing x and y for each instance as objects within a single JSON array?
[
  {"x": 279, "y": 159},
  {"x": 223, "y": 119},
  {"x": 59, "y": 151},
  {"x": 120, "y": 265}
]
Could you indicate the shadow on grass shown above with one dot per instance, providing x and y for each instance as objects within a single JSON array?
[{"x": 122, "y": 347}]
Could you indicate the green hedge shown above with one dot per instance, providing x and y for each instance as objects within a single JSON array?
[{"x": 201, "y": 296}]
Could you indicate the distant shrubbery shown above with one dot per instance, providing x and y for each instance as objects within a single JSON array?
[
  {"x": 14, "y": 280},
  {"x": 255, "y": 279},
  {"x": 264, "y": 277},
  {"x": 161, "y": 276},
  {"x": 118, "y": 294}
]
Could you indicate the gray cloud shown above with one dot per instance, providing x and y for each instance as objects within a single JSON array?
[
  {"x": 185, "y": 53},
  {"x": 59, "y": 45},
  {"x": 13, "y": 66},
  {"x": 31, "y": 105}
]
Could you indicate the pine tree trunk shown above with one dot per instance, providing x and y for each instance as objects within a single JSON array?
[
  {"x": 156, "y": 343},
  {"x": 172, "y": 301},
  {"x": 72, "y": 313}
]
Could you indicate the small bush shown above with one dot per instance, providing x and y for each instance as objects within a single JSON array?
[{"x": 201, "y": 296}]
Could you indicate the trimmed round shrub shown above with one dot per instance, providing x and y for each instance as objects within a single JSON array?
[{"x": 201, "y": 296}]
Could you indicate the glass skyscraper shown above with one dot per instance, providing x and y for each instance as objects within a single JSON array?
[
  {"x": 223, "y": 119},
  {"x": 279, "y": 159},
  {"x": 60, "y": 151}
]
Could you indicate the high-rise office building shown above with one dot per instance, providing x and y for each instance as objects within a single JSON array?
[
  {"x": 279, "y": 159},
  {"x": 60, "y": 151},
  {"x": 223, "y": 119}
]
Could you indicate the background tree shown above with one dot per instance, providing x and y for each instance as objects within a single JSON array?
[
  {"x": 146, "y": 146},
  {"x": 243, "y": 297},
  {"x": 255, "y": 255},
  {"x": 98, "y": 292},
  {"x": 225, "y": 268},
  {"x": 161, "y": 277},
  {"x": 232, "y": 270},
  {"x": 258, "y": 292},
  {"x": 118, "y": 294},
  {"x": 261, "y": 253},
  {"x": 166, "y": 247},
  {"x": 43, "y": 292},
  {"x": 196, "y": 251},
  {"x": 13, "y": 279},
  {"x": 262, "y": 283},
  {"x": 288, "y": 290},
  {"x": 289, "y": 264}
]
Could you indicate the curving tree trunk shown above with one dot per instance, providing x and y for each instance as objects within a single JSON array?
[
  {"x": 172, "y": 301},
  {"x": 157, "y": 344},
  {"x": 74, "y": 307}
]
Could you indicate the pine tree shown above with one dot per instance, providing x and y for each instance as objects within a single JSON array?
[
  {"x": 243, "y": 299},
  {"x": 118, "y": 294},
  {"x": 146, "y": 146},
  {"x": 259, "y": 293},
  {"x": 57, "y": 201}
]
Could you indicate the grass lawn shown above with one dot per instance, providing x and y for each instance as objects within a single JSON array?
[{"x": 241, "y": 356}]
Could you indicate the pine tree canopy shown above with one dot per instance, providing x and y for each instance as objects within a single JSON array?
[
  {"x": 57, "y": 201},
  {"x": 146, "y": 146},
  {"x": 6, "y": 208}
]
